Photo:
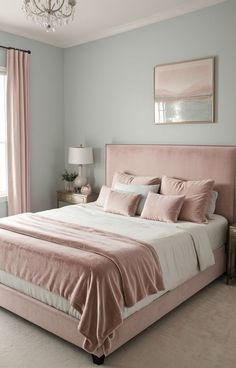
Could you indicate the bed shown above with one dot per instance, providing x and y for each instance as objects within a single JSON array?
[{"x": 187, "y": 162}]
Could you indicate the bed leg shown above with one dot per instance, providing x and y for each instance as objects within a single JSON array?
[{"x": 98, "y": 361}]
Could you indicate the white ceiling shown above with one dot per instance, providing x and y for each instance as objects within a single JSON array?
[{"x": 96, "y": 19}]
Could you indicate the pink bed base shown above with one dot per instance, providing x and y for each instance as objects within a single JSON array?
[
  {"x": 188, "y": 162},
  {"x": 65, "y": 326}
]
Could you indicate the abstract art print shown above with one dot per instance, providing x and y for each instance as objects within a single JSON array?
[{"x": 184, "y": 92}]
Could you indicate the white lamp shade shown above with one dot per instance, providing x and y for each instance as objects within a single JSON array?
[{"x": 80, "y": 155}]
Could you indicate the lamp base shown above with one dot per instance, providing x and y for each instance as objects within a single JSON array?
[{"x": 80, "y": 181}]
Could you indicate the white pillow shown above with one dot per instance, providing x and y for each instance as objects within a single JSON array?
[
  {"x": 212, "y": 205},
  {"x": 137, "y": 189},
  {"x": 104, "y": 193}
]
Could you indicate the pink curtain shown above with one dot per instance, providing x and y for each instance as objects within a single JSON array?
[{"x": 18, "y": 132}]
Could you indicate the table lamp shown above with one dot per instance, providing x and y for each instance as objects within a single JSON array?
[{"x": 80, "y": 156}]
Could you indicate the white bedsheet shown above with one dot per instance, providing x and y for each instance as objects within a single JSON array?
[{"x": 182, "y": 248}]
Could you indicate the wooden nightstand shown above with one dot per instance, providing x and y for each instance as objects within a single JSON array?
[
  {"x": 74, "y": 198},
  {"x": 231, "y": 253}
]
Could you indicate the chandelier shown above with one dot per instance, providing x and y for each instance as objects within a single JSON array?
[{"x": 50, "y": 13}]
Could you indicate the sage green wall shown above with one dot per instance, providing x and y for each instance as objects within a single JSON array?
[
  {"x": 108, "y": 84},
  {"x": 46, "y": 118}
]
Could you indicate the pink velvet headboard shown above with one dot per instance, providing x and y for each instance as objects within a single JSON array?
[{"x": 186, "y": 162}]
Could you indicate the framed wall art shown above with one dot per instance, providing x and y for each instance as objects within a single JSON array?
[{"x": 184, "y": 92}]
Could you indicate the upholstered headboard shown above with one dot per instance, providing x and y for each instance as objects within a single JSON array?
[{"x": 186, "y": 162}]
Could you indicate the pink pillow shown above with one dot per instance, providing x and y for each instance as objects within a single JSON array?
[
  {"x": 162, "y": 208},
  {"x": 132, "y": 179},
  {"x": 104, "y": 192},
  {"x": 197, "y": 196},
  {"x": 193, "y": 209},
  {"x": 122, "y": 203}
]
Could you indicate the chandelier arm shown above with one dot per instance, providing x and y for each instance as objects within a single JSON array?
[
  {"x": 41, "y": 11},
  {"x": 64, "y": 15},
  {"x": 35, "y": 13},
  {"x": 59, "y": 7}
]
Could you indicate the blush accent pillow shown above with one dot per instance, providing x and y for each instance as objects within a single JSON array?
[
  {"x": 193, "y": 209},
  {"x": 132, "y": 179},
  {"x": 212, "y": 205},
  {"x": 104, "y": 192},
  {"x": 137, "y": 189},
  {"x": 164, "y": 208},
  {"x": 197, "y": 196},
  {"x": 122, "y": 203}
]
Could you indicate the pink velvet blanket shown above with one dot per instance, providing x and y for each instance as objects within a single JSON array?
[{"x": 98, "y": 272}]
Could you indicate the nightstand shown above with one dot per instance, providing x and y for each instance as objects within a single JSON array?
[
  {"x": 74, "y": 198},
  {"x": 231, "y": 253}
]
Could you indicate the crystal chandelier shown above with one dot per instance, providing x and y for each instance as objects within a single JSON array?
[{"x": 50, "y": 13}]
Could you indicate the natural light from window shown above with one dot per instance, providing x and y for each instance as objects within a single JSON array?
[{"x": 3, "y": 168}]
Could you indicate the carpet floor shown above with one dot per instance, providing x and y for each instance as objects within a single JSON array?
[{"x": 201, "y": 333}]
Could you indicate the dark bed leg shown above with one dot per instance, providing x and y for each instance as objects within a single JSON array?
[{"x": 98, "y": 361}]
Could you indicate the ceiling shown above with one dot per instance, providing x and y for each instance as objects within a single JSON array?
[{"x": 96, "y": 19}]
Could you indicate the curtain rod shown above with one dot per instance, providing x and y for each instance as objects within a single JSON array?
[{"x": 14, "y": 48}]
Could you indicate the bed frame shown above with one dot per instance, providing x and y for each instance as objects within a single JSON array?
[{"x": 187, "y": 162}]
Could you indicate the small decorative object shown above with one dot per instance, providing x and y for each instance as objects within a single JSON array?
[
  {"x": 69, "y": 178},
  {"x": 49, "y": 14},
  {"x": 80, "y": 156},
  {"x": 184, "y": 92},
  {"x": 86, "y": 189}
]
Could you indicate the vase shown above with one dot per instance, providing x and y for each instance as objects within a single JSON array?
[{"x": 69, "y": 186}]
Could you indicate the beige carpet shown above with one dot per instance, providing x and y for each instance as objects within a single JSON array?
[{"x": 201, "y": 333}]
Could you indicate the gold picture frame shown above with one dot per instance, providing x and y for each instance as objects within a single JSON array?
[{"x": 184, "y": 92}]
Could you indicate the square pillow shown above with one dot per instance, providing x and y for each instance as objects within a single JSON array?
[
  {"x": 122, "y": 203},
  {"x": 194, "y": 209},
  {"x": 137, "y": 189},
  {"x": 133, "y": 179},
  {"x": 197, "y": 196},
  {"x": 164, "y": 208}
]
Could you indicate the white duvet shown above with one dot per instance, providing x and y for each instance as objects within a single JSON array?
[{"x": 183, "y": 248}]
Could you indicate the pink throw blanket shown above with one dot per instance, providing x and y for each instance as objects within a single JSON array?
[{"x": 98, "y": 272}]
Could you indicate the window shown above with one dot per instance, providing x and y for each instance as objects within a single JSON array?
[{"x": 3, "y": 158}]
